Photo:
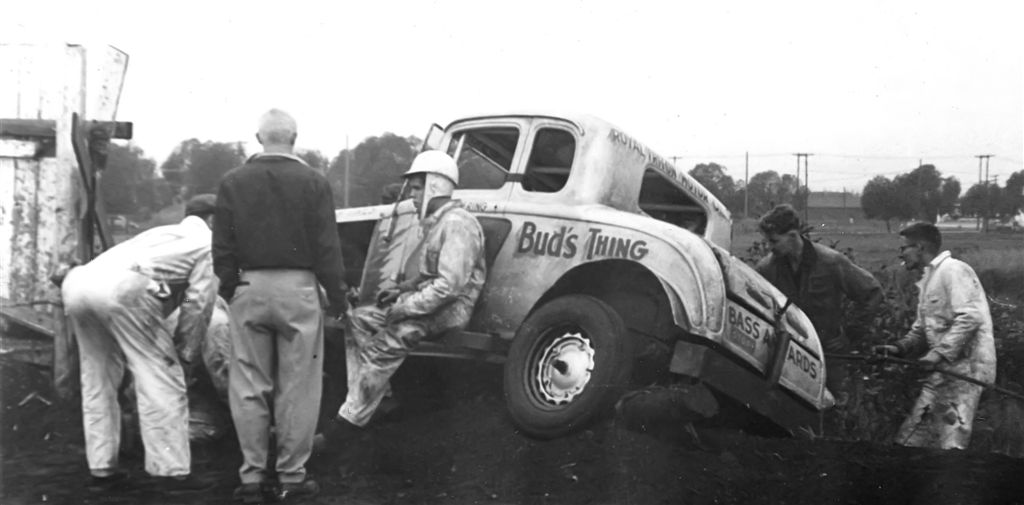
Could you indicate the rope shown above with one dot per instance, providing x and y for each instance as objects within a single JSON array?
[
  {"x": 915, "y": 364},
  {"x": 32, "y": 303}
]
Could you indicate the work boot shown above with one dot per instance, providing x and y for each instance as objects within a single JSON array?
[
  {"x": 390, "y": 409},
  {"x": 181, "y": 483},
  {"x": 336, "y": 435},
  {"x": 104, "y": 483},
  {"x": 253, "y": 492},
  {"x": 298, "y": 490}
]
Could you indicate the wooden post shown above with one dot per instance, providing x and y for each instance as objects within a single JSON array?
[{"x": 40, "y": 215}]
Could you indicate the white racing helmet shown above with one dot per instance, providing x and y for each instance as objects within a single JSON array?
[{"x": 441, "y": 175}]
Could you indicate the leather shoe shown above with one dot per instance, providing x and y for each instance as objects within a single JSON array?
[
  {"x": 108, "y": 482},
  {"x": 336, "y": 435},
  {"x": 294, "y": 490},
  {"x": 253, "y": 492},
  {"x": 181, "y": 483}
]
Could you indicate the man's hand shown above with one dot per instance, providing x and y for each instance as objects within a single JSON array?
[
  {"x": 387, "y": 296},
  {"x": 885, "y": 350},
  {"x": 394, "y": 315},
  {"x": 190, "y": 361},
  {"x": 337, "y": 309},
  {"x": 928, "y": 361}
]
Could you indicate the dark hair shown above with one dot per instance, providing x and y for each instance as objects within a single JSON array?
[
  {"x": 923, "y": 232},
  {"x": 781, "y": 219},
  {"x": 201, "y": 205}
]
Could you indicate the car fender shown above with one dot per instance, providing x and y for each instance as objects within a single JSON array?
[{"x": 546, "y": 247}]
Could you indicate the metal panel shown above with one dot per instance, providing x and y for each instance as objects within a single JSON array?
[
  {"x": 743, "y": 385},
  {"x": 40, "y": 197},
  {"x": 7, "y": 170}
]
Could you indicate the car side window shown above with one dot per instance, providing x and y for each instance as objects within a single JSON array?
[
  {"x": 550, "y": 161},
  {"x": 484, "y": 155},
  {"x": 664, "y": 200}
]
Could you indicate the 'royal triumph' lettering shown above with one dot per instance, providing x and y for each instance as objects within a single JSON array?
[{"x": 563, "y": 242}]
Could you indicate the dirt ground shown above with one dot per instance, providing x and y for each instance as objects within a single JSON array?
[{"x": 451, "y": 442}]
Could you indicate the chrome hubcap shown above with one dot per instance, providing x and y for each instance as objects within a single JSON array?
[{"x": 564, "y": 368}]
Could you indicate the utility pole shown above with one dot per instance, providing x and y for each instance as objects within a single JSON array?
[
  {"x": 746, "y": 184},
  {"x": 807, "y": 191},
  {"x": 344, "y": 191},
  {"x": 985, "y": 158},
  {"x": 674, "y": 158}
]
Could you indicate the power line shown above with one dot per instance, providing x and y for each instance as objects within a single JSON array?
[{"x": 846, "y": 156}]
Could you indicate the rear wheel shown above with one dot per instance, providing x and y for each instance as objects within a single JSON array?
[{"x": 569, "y": 362}]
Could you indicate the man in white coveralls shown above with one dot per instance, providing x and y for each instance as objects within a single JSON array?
[{"x": 116, "y": 305}]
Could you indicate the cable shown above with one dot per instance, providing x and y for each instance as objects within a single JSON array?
[{"x": 915, "y": 364}]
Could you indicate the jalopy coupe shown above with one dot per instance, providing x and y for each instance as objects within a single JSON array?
[{"x": 607, "y": 265}]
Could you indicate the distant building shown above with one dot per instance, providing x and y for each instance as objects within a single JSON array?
[{"x": 834, "y": 207}]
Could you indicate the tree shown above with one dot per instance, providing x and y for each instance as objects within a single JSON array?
[
  {"x": 768, "y": 189},
  {"x": 975, "y": 201},
  {"x": 127, "y": 169},
  {"x": 314, "y": 159},
  {"x": 882, "y": 199},
  {"x": 922, "y": 188},
  {"x": 199, "y": 166},
  {"x": 950, "y": 195},
  {"x": 713, "y": 177},
  {"x": 373, "y": 164},
  {"x": 1013, "y": 194}
]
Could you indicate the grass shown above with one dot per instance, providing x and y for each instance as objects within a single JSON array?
[{"x": 998, "y": 258}]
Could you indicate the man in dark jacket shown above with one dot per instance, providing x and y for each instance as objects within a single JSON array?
[
  {"x": 274, "y": 241},
  {"x": 816, "y": 278}
]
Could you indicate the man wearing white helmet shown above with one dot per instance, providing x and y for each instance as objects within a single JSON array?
[{"x": 451, "y": 272}]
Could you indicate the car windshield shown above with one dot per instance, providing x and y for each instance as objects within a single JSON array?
[{"x": 484, "y": 155}]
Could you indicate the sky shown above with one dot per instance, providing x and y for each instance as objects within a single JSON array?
[{"x": 868, "y": 88}]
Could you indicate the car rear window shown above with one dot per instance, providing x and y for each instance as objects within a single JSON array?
[
  {"x": 550, "y": 161},
  {"x": 662, "y": 199}
]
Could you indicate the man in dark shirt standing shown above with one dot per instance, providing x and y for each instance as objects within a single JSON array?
[
  {"x": 274, "y": 240},
  {"x": 816, "y": 278}
]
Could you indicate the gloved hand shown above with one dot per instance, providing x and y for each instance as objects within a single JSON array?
[
  {"x": 387, "y": 296},
  {"x": 337, "y": 309},
  {"x": 59, "y": 273},
  {"x": 190, "y": 360},
  {"x": 885, "y": 350},
  {"x": 395, "y": 314},
  {"x": 928, "y": 361}
]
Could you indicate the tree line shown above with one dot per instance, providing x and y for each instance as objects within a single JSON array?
[
  {"x": 921, "y": 193},
  {"x": 132, "y": 184}
]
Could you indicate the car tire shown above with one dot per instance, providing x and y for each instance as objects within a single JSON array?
[{"x": 568, "y": 363}]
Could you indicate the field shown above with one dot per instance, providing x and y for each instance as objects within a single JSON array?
[{"x": 997, "y": 257}]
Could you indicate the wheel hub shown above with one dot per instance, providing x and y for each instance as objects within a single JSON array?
[{"x": 565, "y": 367}]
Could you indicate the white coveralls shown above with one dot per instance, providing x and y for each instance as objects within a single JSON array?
[
  {"x": 116, "y": 305},
  {"x": 451, "y": 273},
  {"x": 953, "y": 320}
]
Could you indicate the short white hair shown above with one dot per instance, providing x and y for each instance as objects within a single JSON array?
[{"x": 277, "y": 127}]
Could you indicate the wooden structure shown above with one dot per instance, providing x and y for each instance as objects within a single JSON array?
[{"x": 58, "y": 103}]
